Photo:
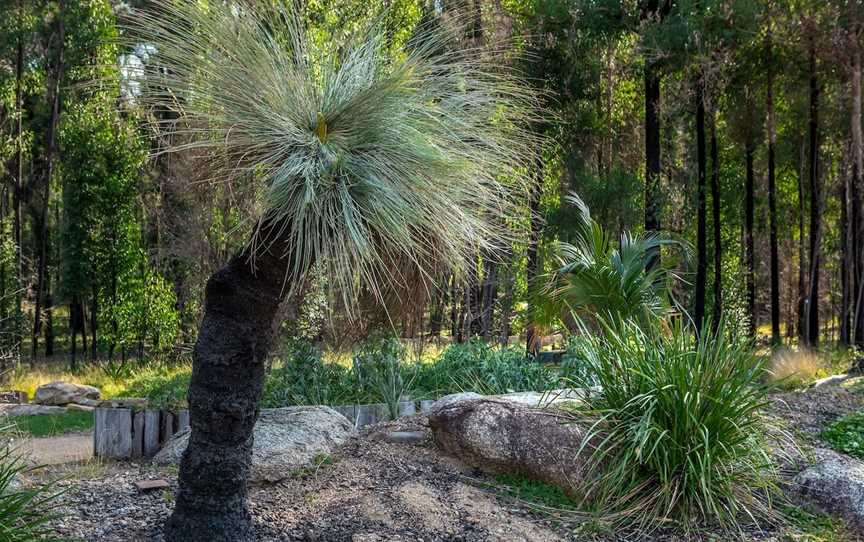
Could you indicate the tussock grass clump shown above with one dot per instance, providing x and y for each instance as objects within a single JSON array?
[
  {"x": 795, "y": 368},
  {"x": 675, "y": 440},
  {"x": 25, "y": 512}
]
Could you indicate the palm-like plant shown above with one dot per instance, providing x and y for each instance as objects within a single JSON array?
[
  {"x": 597, "y": 277},
  {"x": 373, "y": 166}
]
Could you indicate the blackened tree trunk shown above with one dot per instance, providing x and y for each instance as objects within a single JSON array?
[
  {"x": 701, "y": 242},
  {"x": 236, "y": 335},
  {"x": 532, "y": 343},
  {"x": 802, "y": 253},
  {"x": 18, "y": 189},
  {"x": 772, "y": 197},
  {"x": 490, "y": 293},
  {"x": 717, "y": 311},
  {"x": 748, "y": 239},
  {"x": 815, "y": 206},
  {"x": 846, "y": 295},
  {"x": 652, "y": 156},
  {"x": 50, "y": 150},
  {"x": 856, "y": 216}
]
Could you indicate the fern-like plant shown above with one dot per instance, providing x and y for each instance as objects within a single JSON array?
[
  {"x": 376, "y": 166},
  {"x": 596, "y": 276}
]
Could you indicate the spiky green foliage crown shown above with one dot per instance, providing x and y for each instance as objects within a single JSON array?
[{"x": 373, "y": 163}]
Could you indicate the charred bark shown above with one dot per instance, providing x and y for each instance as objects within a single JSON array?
[
  {"x": 748, "y": 239},
  {"x": 772, "y": 197},
  {"x": 652, "y": 157},
  {"x": 701, "y": 240},
  {"x": 717, "y": 311},
  {"x": 235, "y": 339},
  {"x": 815, "y": 206}
]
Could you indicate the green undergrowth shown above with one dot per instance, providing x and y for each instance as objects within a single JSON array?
[
  {"x": 534, "y": 491},
  {"x": 48, "y": 425},
  {"x": 805, "y": 526},
  {"x": 847, "y": 434}
]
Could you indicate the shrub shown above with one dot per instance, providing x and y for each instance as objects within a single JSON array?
[
  {"x": 479, "y": 367},
  {"x": 163, "y": 384},
  {"x": 675, "y": 437},
  {"x": 379, "y": 368},
  {"x": 304, "y": 379},
  {"x": 847, "y": 434}
]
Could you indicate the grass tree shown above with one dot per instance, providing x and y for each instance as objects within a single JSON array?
[{"x": 374, "y": 166}]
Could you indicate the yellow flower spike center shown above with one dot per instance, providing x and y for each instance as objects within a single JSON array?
[{"x": 321, "y": 128}]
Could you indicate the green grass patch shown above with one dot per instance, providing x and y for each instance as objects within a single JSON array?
[
  {"x": 812, "y": 527},
  {"x": 847, "y": 434},
  {"x": 47, "y": 425},
  {"x": 535, "y": 491}
]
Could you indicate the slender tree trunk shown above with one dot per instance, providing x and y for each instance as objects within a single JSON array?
[
  {"x": 802, "y": 254},
  {"x": 748, "y": 239},
  {"x": 772, "y": 197},
  {"x": 846, "y": 294},
  {"x": 815, "y": 206},
  {"x": 18, "y": 191},
  {"x": 652, "y": 156},
  {"x": 73, "y": 333},
  {"x": 94, "y": 322},
  {"x": 236, "y": 335},
  {"x": 701, "y": 241},
  {"x": 49, "y": 317},
  {"x": 717, "y": 312},
  {"x": 857, "y": 214},
  {"x": 50, "y": 150},
  {"x": 532, "y": 345},
  {"x": 490, "y": 292}
]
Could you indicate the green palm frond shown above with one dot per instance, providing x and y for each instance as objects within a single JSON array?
[
  {"x": 374, "y": 163},
  {"x": 596, "y": 277}
]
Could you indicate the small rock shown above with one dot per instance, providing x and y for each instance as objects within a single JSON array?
[
  {"x": 151, "y": 485},
  {"x": 29, "y": 410},
  {"x": 79, "y": 408},
  {"x": 13, "y": 397},
  {"x": 62, "y": 393}
]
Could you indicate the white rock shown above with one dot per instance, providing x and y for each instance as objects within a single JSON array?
[{"x": 286, "y": 439}]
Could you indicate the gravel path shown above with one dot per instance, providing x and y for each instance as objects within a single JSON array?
[
  {"x": 373, "y": 491},
  {"x": 58, "y": 449}
]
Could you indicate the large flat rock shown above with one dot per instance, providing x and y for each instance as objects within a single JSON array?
[{"x": 286, "y": 439}]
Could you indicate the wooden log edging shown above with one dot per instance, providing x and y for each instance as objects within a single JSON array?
[{"x": 124, "y": 433}]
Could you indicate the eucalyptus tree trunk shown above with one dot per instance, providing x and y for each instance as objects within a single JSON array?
[
  {"x": 750, "y": 246},
  {"x": 772, "y": 195},
  {"x": 236, "y": 335},
  {"x": 717, "y": 312},
  {"x": 815, "y": 206},
  {"x": 857, "y": 215},
  {"x": 701, "y": 241},
  {"x": 652, "y": 157}
]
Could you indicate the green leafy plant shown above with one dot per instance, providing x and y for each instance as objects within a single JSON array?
[
  {"x": 597, "y": 277},
  {"x": 674, "y": 437},
  {"x": 379, "y": 368},
  {"x": 847, "y": 434},
  {"x": 25, "y": 512},
  {"x": 304, "y": 379}
]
